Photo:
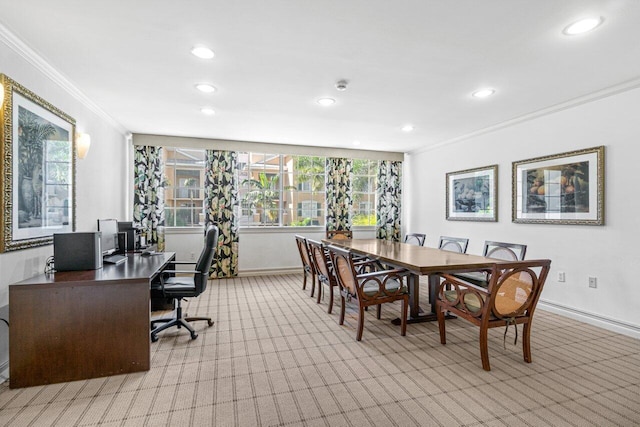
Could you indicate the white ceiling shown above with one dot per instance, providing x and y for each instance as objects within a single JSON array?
[{"x": 407, "y": 61}]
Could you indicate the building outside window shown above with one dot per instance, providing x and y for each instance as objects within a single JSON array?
[
  {"x": 184, "y": 189},
  {"x": 274, "y": 189},
  {"x": 365, "y": 182},
  {"x": 308, "y": 177}
]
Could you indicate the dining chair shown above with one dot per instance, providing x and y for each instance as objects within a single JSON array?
[
  {"x": 415, "y": 238},
  {"x": 324, "y": 270},
  {"x": 509, "y": 299},
  {"x": 367, "y": 289},
  {"x": 499, "y": 250},
  {"x": 339, "y": 234},
  {"x": 453, "y": 244},
  {"x": 307, "y": 263}
]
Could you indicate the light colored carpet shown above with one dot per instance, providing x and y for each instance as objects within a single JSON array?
[{"x": 276, "y": 358}]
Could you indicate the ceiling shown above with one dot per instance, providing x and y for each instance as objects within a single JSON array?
[{"x": 409, "y": 61}]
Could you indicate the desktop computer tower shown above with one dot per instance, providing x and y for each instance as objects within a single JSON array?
[{"x": 77, "y": 251}]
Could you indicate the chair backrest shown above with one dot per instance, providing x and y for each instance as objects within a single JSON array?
[
  {"x": 515, "y": 288},
  {"x": 339, "y": 234},
  {"x": 504, "y": 251},
  {"x": 453, "y": 244},
  {"x": 303, "y": 249},
  {"x": 344, "y": 270},
  {"x": 415, "y": 238},
  {"x": 206, "y": 259},
  {"x": 318, "y": 252}
]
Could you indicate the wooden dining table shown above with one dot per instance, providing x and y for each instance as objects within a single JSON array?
[{"x": 418, "y": 260}]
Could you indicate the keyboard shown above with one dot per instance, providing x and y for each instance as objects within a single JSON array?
[{"x": 114, "y": 259}]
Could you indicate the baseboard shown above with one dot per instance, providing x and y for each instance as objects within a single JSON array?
[
  {"x": 269, "y": 271},
  {"x": 592, "y": 319}
]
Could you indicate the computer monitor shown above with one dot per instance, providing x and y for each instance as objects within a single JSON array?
[
  {"x": 127, "y": 227},
  {"x": 109, "y": 239}
]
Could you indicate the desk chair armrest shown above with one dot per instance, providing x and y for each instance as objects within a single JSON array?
[{"x": 167, "y": 272}]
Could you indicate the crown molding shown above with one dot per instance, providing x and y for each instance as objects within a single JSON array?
[
  {"x": 35, "y": 59},
  {"x": 572, "y": 103}
]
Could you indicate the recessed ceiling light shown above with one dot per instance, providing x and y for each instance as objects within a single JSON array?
[
  {"x": 483, "y": 93},
  {"x": 208, "y": 111},
  {"x": 407, "y": 128},
  {"x": 583, "y": 26},
  {"x": 205, "y": 87},
  {"x": 356, "y": 142},
  {"x": 202, "y": 52},
  {"x": 326, "y": 101}
]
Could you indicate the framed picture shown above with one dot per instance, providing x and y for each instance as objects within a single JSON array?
[
  {"x": 38, "y": 179},
  {"x": 566, "y": 188},
  {"x": 472, "y": 194}
]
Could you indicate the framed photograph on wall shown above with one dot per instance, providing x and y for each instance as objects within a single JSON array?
[
  {"x": 566, "y": 188},
  {"x": 38, "y": 180},
  {"x": 472, "y": 194}
]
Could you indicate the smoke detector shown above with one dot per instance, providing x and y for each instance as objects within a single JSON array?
[{"x": 341, "y": 85}]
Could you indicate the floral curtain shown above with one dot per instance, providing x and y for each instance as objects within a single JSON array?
[
  {"x": 148, "y": 194},
  {"x": 389, "y": 195},
  {"x": 221, "y": 199},
  {"x": 339, "y": 201}
]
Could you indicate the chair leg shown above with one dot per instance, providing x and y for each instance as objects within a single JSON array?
[
  {"x": 177, "y": 321},
  {"x": 330, "y": 309},
  {"x": 484, "y": 348},
  {"x": 193, "y": 319},
  {"x": 304, "y": 281},
  {"x": 379, "y": 311},
  {"x": 343, "y": 309},
  {"x": 441, "y": 324},
  {"x": 313, "y": 284},
  {"x": 360, "y": 322},
  {"x": 319, "y": 292},
  {"x": 526, "y": 341},
  {"x": 403, "y": 319}
]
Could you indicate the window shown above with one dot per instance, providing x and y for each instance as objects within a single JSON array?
[
  {"x": 308, "y": 176},
  {"x": 365, "y": 174},
  {"x": 273, "y": 189},
  {"x": 184, "y": 187}
]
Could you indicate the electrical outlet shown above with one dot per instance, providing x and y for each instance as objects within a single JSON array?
[
  {"x": 593, "y": 282},
  {"x": 193, "y": 255},
  {"x": 561, "y": 277}
]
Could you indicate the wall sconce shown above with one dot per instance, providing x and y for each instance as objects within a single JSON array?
[{"x": 83, "y": 142}]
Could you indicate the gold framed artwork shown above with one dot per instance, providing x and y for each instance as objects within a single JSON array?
[
  {"x": 38, "y": 169},
  {"x": 565, "y": 188}
]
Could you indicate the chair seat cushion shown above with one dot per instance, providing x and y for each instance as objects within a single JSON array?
[
  {"x": 371, "y": 288},
  {"x": 179, "y": 286},
  {"x": 478, "y": 278}
]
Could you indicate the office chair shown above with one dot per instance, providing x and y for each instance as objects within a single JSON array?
[{"x": 187, "y": 287}]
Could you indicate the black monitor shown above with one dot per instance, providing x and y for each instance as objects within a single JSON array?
[
  {"x": 128, "y": 227},
  {"x": 109, "y": 238}
]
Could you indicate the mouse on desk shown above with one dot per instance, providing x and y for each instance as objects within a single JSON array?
[{"x": 146, "y": 253}]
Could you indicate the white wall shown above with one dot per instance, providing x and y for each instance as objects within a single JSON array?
[
  {"x": 260, "y": 250},
  {"x": 101, "y": 178},
  {"x": 608, "y": 252}
]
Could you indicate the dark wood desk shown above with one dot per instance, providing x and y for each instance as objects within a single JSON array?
[
  {"x": 419, "y": 260},
  {"x": 75, "y": 325}
]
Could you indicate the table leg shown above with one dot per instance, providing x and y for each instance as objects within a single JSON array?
[{"x": 416, "y": 314}]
